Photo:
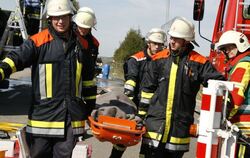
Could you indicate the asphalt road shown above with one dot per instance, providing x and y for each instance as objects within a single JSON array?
[{"x": 15, "y": 102}]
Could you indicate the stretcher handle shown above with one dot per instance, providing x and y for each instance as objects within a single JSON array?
[{"x": 142, "y": 131}]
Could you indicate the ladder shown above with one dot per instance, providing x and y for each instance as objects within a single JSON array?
[{"x": 15, "y": 21}]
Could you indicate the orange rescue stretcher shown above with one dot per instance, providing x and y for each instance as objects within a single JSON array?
[{"x": 116, "y": 130}]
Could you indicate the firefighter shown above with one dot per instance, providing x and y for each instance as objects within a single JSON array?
[
  {"x": 135, "y": 67},
  {"x": 235, "y": 46},
  {"x": 85, "y": 20},
  {"x": 169, "y": 96},
  {"x": 63, "y": 91}
]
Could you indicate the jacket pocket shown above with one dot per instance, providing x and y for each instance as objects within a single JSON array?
[{"x": 181, "y": 125}]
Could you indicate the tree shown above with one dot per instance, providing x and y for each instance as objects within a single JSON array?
[{"x": 132, "y": 43}]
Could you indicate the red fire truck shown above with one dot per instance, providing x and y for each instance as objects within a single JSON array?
[
  {"x": 214, "y": 140},
  {"x": 231, "y": 15}
]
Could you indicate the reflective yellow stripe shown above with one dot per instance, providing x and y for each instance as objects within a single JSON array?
[
  {"x": 45, "y": 124},
  {"x": 142, "y": 112},
  {"x": 170, "y": 99},
  {"x": 11, "y": 64},
  {"x": 76, "y": 124},
  {"x": 90, "y": 97},
  {"x": 131, "y": 98},
  {"x": 146, "y": 95},
  {"x": 131, "y": 82},
  {"x": 2, "y": 73},
  {"x": 242, "y": 150},
  {"x": 233, "y": 111},
  {"x": 78, "y": 76},
  {"x": 153, "y": 135},
  {"x": 243, "y": 124},
  {"x": 48, "y": 68},
  {"x": 179, "y": 140},
  {"x": 88, "y": 83}
]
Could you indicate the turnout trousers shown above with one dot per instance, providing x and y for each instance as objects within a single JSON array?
[
  {"x": 51, "y": 147},
  {"x": 159, "y": 152}
]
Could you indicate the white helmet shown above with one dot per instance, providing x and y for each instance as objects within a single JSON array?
[
  {"x": 58, "y": 7},
  {"x": 234, "y": 37},
  {"x": 156, "y": 35},
  {"x": 85, "y": 18},
  {"x": 182, "y": 28}
]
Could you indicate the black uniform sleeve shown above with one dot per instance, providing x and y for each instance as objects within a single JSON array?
[
  {"x": 89, "y": 88},
  {"x": 131, "y": 72},
  {"x": 149, "y": 86},
  {"x": 18, "y": 60},
  {"x": 207, "y": 72}
]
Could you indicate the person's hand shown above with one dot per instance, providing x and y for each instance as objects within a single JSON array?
[
  {"x": 139, "y": 121},
  {"x": 130, "y": 116},
  {"x": 129, "y": 93}
]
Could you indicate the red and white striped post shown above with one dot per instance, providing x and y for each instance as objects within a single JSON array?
[{"x": 210, "y": 118}]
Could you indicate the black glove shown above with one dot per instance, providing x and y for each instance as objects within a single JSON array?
[{"x": 129, "y": 93}]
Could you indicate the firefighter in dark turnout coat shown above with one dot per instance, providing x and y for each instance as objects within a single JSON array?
[
  {"x": 134, "y": 70},
  {"x": 63, "y": 91},
  {"x": 85, "y": 20},
  {"x": 169, "y": 94}
]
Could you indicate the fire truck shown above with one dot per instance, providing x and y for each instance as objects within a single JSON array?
[
  {"x": 231, "y": 15},
  {"x": 217, "y": 137}
]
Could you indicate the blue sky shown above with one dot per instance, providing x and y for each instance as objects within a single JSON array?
[{"x": 115, "y": 18}]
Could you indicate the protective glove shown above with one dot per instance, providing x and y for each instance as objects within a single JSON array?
[
  {"x": 129, "y": 93},
  {"x": 139, "y": 121}
]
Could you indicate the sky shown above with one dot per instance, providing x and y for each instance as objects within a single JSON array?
[{"x": 116, "y": 17}]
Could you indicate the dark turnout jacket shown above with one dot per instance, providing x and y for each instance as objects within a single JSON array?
[
  {"x": 169, "y": 97},
  {"x": 62, "y": 82}
]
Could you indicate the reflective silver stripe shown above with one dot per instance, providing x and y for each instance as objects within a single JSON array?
[
  {"x": 45, "y": 131},
  {"x": 244, "y": 107},
  {"x": 176, "y": 147},
  {"x": 78, "y": 131},
  {"x": 150, "y": 142},
  {"x": 144, "y": 100},
  {"x": 129, "y": 87},
  {"x": 42, "y": 81}
]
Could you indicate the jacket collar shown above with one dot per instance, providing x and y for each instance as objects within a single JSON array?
[{"x": 235, "y": 60}]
